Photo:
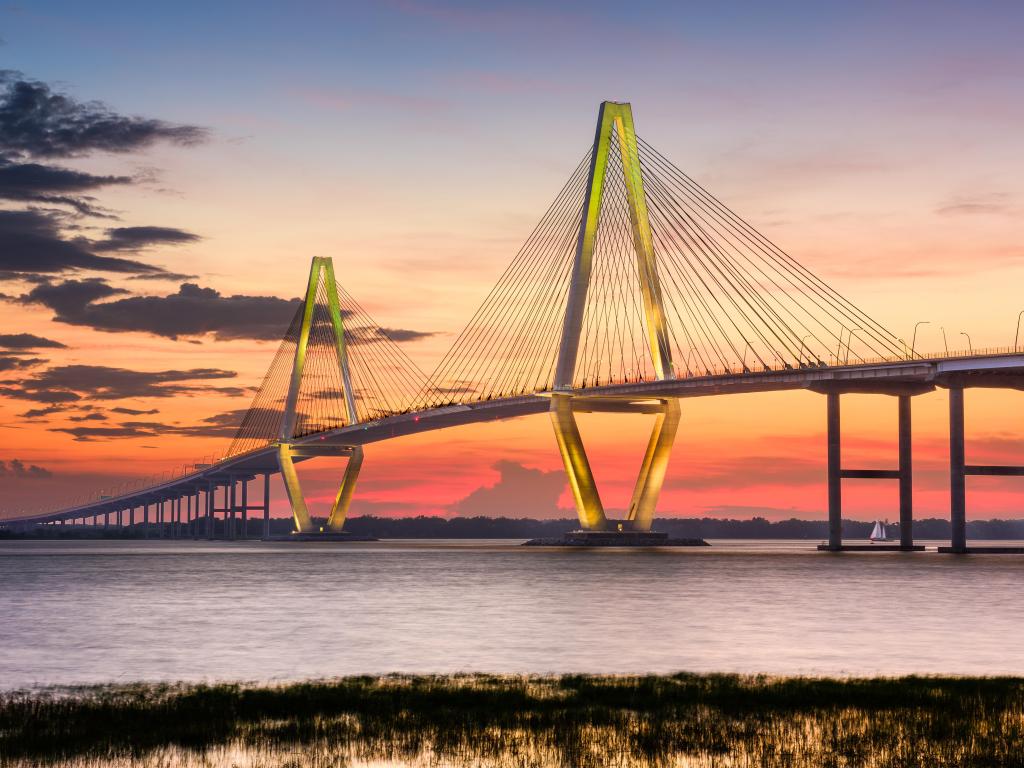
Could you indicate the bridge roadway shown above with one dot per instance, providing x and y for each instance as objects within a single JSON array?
[{"x": 906, "y": 377}]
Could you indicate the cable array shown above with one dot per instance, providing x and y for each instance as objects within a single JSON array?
[
  {"x": 510, "y": 345},
  {"x": 732, "y": 300}
]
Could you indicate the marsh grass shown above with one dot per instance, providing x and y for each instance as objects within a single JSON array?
[{"x": 678, "y": 720}]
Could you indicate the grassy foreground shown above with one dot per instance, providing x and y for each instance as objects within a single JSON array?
[{"x": 679, "y": 720}]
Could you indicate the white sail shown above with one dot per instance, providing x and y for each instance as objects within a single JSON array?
[{"x": 877, "y": 533}]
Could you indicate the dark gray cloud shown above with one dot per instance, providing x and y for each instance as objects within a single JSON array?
[
  {"x": 88, "y": 434},
  {"x": 39, "y": 122},
  {"x": 8, "y": 363},
  {"x": 175, "y": 277},
  {"x": 134, "y": 411},
  {"x": 70, "y": 383},
  {"x": 53, "y": 185},
  {"x": 18, "y": 468},
  {"x": 31, "y": 242},
  {"x": 192, "y": 311},
  {"x": 23, "y": 341},
  {"x": 404, "y": 334},
  {"x": 138, "y": 238},
  {"x": 219, "y": 425},
  {"x": 38, "y": 413},
  {"x": 38, "y": 395},
  {"x": 93, "y": 416},
  {"x": 71, "y": 296}
]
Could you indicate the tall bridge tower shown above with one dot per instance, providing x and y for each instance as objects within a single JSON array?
[{"x": 614, "y": 127}]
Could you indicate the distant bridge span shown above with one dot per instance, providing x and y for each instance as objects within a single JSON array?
[{"x": 637, "y": 289}]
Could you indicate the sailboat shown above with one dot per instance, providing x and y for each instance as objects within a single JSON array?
[{"x": 879, "y": 533}]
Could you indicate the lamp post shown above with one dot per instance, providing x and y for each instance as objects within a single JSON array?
[
  {"x": 744, "y": 363},
  {"x": 849, "y": 340},
  {"x": 944, "y": 342},
  {"x": 800, "y": 352},
  {"x": 970, "y": 346},
  {"x": 913, "y": 340},
  {"x": 1017, "y": 335}
]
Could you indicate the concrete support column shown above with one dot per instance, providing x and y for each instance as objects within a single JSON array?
[
  {"x": 266, "y": 505},
  {"x": 957, "y": 482},
  {"x": 145, "y": 520},
  {"x": 906, "y": 474},
  {"x": 131, "y": 518},
  {"x": 229, "y": 516},
  {"x": 245, "y": 507},
  {"x": 209, "y": 510},
  {"x": 835, "y": 487},
  {"x": 106, "y": 519}
]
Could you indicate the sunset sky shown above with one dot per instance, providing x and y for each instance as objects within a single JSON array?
[{"x": 206, "y": 151}]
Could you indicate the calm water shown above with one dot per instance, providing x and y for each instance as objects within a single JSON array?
[{"x": 77, "y": 612}]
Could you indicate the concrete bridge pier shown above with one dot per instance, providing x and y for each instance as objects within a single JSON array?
[
  {"x": 244, "y": 533},
  {"x": 836, "y": 474},
  {"x": 957, "y": 381},
  {"x": 230, "y": 507},
  {"x": 209, "y": 510},
  {"x": 906, "y": 471},
  {"x": 957, "y": 476},
  {"x": 266, "y": 505}
]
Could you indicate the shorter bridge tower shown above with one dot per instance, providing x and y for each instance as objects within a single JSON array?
[{"x": 321, "y": 293}]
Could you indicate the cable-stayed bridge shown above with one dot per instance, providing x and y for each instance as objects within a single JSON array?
[{"x": 637, "y": 288}]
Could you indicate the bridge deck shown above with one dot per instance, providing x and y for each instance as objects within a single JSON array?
[{"x": 899, "y": 377}]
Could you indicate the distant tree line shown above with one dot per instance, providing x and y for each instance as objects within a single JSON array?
[
  {"x": 682, "y": 527},
  {"x": 526, "y": 528}
]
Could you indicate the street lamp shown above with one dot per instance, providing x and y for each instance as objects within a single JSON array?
[
  {"x": 944, "y": 342},
  {"x": 849, "y": 340},
  {"x": 839, "y": 349},
  {"x": 751, "y": 348},
  {"x": 1017, "y": 335},
  {"x": 913, "y": 340},
  {"x": 800, "y": 352},
  {"x": 970, "y": 346}
]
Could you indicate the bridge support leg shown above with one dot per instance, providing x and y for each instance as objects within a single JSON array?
[
  {"x": 835, "y": 485},
  {"x": 286, "y": 454},
  {"x": 906, "y": 474},
  {"x": 577, "y": 466},
  {"x": 303, "y": 522},
  {"x": 957, "y": 480},
  {"x": 655, "y": 464},
  {"x": 339, "y": 511}
]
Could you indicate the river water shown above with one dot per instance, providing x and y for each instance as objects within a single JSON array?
[{"x": 102, "y": 611}]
